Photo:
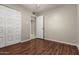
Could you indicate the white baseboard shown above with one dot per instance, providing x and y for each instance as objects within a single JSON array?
[
  {"x": 61, "y": 41},
  {"x": 25, "y": 40}
]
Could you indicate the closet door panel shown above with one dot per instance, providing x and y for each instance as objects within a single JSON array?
[
  {"x": 2, "y": 32},
  {"x": 10, "y": 26},
  {"x": 13, "y": 27},
  {"x": 2, "y": 26},
  {"x": 2, "y": 43},
  {"x": 2, "y": 36}
]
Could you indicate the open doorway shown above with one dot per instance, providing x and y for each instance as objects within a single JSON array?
[{"x": 37, "y": 27}]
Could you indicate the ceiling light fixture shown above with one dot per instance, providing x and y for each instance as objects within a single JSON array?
[{"x": 37, "y": 7}]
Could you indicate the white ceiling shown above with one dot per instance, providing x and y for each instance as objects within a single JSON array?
[{"x": 40, "y": 7}]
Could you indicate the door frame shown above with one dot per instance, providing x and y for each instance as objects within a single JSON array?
[{"x": 35, "y": 27}]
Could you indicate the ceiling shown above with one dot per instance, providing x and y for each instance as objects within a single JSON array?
[{"x": 40, "y": 7}]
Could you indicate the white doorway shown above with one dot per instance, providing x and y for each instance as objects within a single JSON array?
[
  {"x": 39, "y": 27},
  {"x": 33, "y": 27}
]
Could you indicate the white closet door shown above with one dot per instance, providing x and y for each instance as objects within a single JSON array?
[
  {"x": 10, "y": 26},
  {"x": 2, "y": 27},
  {"x": 2, "y": 32},
  {"x": 13, "y": 27}
]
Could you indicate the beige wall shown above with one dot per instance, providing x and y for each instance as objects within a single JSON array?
[
  {"x": 61, "y": 23},
  {"x": 26, "y": 16}
]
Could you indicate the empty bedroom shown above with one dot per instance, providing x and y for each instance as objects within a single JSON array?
[{"x": 39, "y": 29}]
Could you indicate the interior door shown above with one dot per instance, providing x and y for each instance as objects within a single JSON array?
[{"x": 39, "y": 27}]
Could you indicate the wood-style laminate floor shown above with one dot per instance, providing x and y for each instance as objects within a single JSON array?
[{"x": 39, "y": 47}]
